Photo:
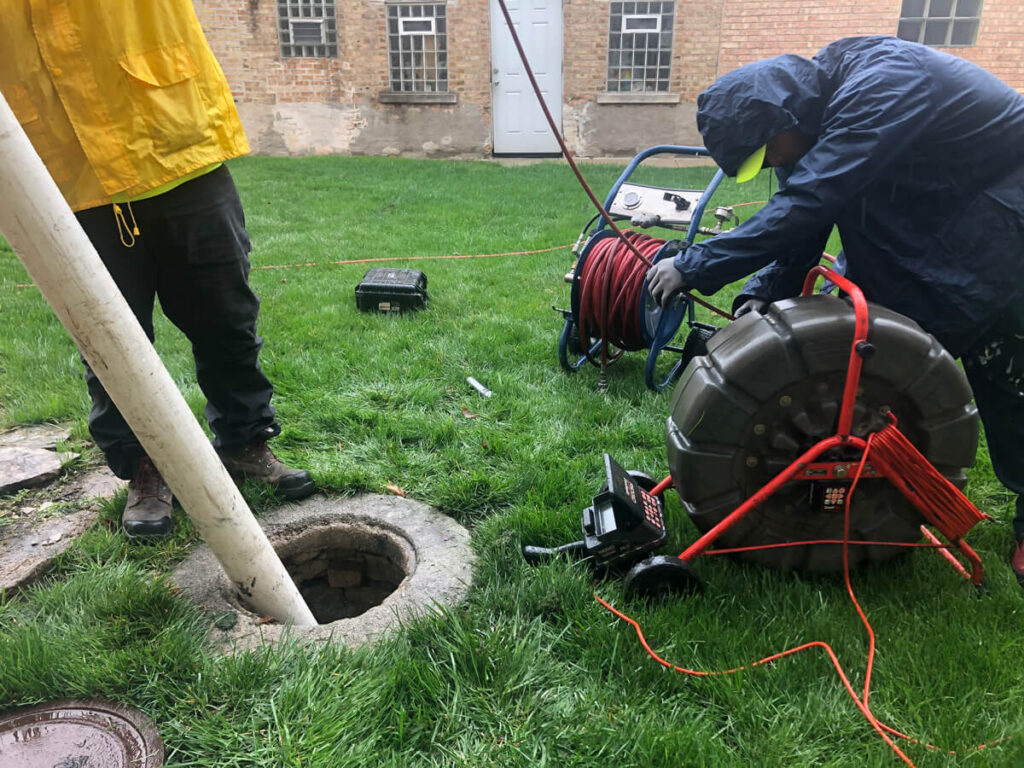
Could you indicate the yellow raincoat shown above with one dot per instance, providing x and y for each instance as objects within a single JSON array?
[{"x": 119, "y": 97}]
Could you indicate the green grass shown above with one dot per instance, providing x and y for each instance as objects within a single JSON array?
[{"x": 531, "y": 670}]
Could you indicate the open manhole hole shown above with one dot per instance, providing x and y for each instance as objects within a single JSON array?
[
  {"x": 363, "y": 564},
  {"x": 79, "y": 734},
  {"x": 344, "y": 569}
]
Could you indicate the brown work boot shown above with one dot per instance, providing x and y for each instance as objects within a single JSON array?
[
  {"x": 1017, "y": 561},
  {"x": 256, "y": 461},
  {"x": 147, "y": 511}
]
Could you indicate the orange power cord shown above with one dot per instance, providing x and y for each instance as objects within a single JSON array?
[
  {"x": 885, "y": 731},
  {"x": 383, "y": 258}
]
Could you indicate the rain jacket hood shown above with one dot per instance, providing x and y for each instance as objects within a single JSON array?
[
  {"x": 916, "y": 156},
  {"x": 742, "y": 110}
]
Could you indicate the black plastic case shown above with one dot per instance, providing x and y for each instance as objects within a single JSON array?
[{"x": 392, "y": 290}]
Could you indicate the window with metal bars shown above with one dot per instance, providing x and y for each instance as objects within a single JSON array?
[
  {"x": 417, "y": 47},
  {"x": 640, "y": 46},
  {"x": 946, "y": 23},
  {"x": 307, "y": 28}
]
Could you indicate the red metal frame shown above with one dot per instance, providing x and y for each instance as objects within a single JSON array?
[{"x": 807, "y": 467}]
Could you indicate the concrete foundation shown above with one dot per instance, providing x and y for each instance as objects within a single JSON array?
[
  {"x": 364, "y": 126},
  {"x": 363, "y": 565}
]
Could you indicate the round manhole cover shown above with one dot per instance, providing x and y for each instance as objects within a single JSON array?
[{"x": 79, "y": 734}]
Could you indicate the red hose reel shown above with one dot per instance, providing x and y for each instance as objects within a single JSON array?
[{"x": 611, "y": 308}]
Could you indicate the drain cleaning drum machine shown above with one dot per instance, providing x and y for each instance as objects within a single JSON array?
[{"x": 770, "y": 387}]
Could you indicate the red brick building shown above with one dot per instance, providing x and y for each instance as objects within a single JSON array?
[{"x": 442, "y": 78}]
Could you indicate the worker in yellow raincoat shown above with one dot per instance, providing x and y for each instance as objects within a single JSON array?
[{"x": 131, "y": 113}]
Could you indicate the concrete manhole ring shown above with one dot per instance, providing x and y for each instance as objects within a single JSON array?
[{"x": 363, "y": 565}]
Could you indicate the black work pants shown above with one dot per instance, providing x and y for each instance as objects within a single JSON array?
[
  {"x": 995, "y": 369},
  {"x": 191, "y": 253}
]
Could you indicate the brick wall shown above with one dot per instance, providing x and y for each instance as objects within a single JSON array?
[
  {"x": 755, "y": 29},
  {"x": 243, "y": 34},
  {"x": 695, "y": 47},
  {"x": 301, "y": 105}
]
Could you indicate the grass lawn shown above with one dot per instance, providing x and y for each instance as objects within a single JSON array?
[{"x": 531, "y": 670}]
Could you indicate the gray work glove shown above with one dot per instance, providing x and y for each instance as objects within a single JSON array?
[
  {"x": 664, "y": 281},
  {"x": 751, "y": 305}
]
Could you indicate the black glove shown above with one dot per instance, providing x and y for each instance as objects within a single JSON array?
[
  {"x": 751, "y": 305},
  {"x": 664, "y": 281}
]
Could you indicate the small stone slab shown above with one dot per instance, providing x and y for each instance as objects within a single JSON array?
[
  {"x": 22, "y": 467},
  {"x": 29, "y": 546},
  {"x": 28, "y": 549},
  {"x": 35, "y": 436},
  {"x": 97, "y": 484}
]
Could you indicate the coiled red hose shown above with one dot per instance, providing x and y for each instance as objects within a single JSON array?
[{"x": 610, "y": 288}]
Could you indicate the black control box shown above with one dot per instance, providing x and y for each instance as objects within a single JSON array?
[
  {"x": 392, "y": 290},
  {"x": 624, "y": 521}
]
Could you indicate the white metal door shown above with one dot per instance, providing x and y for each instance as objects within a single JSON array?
[{"x": 518, "y": 122}]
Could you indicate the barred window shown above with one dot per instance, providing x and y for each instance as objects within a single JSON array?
[
  {"x": 946, "y": 23},
  {"x": 640, "y": 46},
  {"x": 418, "y": 47},
  {"x": 307, "y": 28}
]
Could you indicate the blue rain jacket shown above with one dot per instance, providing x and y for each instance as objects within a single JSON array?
[{"x": 917, "y": 157}]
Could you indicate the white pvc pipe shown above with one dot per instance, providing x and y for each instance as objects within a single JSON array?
[{"x": 46, "y": 236}]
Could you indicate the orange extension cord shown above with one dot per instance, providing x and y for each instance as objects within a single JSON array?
[
  {"x": 938, "y": 500},
  {"x": 892, "y": 448},
  {"x": 20, "y": 286}
]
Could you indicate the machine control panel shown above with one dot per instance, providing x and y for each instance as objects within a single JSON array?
[
  {"x": 624, "y": 519},
  {"x": 651, "y": 206}
]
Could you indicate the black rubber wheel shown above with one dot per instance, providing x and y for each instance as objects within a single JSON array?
[
  {"x": 662, "y": 576},
  {"x": 575, "y": 345},
  {"x": 770, "y": 387},
  {"x": 697, "y": 339}
]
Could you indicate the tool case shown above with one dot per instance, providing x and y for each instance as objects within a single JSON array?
[{"x": 392, "y": 290}]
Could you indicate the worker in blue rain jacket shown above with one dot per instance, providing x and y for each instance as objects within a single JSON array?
[{"x": 917, "y": 157}]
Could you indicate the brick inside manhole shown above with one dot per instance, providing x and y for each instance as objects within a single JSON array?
[{"x": 345, "y": 569}]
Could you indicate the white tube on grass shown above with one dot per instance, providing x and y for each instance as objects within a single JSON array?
[{"x": 46, "y": 236}]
